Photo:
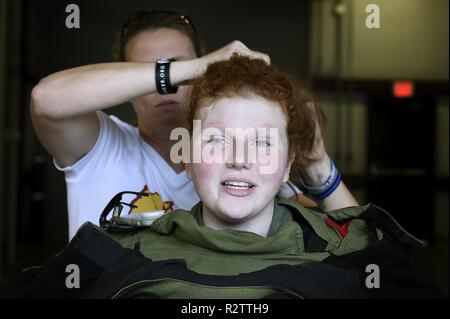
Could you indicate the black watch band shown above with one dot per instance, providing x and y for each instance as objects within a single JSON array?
[{"x": 162, "y": 77}]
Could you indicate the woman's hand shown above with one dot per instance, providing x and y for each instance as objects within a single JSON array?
[
  {"x": 227, "y": 52},
  {"x": 317, "y": 172}
]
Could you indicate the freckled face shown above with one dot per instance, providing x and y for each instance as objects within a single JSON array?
[{"x": 245, "y": 136}]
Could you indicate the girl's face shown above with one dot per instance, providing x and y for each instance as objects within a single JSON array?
[{"x": 244, "y": 160}]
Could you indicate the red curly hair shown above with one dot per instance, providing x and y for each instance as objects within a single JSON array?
[{"x": 244, "y": 76}]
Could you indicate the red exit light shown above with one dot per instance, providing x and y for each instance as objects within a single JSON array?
[{"x": 403, "y": 89}]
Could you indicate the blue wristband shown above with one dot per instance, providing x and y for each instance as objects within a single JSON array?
[
  {"x": 330, "y": 190},
  {"x": 324, "y": 190}
]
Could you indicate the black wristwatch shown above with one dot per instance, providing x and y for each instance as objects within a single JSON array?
[{"x": 162, "y": 77}]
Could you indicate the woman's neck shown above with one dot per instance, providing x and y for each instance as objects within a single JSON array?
[{"x": 162, "y": 144}]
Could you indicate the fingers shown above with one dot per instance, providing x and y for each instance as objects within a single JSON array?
[
  {"x": 262, "y": 56},
  {"x": 310, "y": 105},
  {"x": 312, "y": 108},
  {"x": 318, "y": 149},
  {"x": 240, "y": 48},
  {"x": 235, "y": 47}
]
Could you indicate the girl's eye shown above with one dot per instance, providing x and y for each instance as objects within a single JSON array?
[
  {"x": 217, "y": 140},
  {"x": 262, "y": 143}
]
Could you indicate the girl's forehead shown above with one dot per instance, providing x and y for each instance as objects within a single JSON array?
[{"x": 251, "y": 111}]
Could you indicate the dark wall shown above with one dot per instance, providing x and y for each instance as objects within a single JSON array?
[{"x": 278, "y": 28}]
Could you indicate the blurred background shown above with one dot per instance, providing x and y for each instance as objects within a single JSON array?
[{"x": 384, "y": 90}]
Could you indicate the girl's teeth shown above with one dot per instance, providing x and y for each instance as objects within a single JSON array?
[{"x": 237, "y": 185}]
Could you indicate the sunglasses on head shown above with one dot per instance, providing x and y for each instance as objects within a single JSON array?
[{"x": 160, "y": 17}]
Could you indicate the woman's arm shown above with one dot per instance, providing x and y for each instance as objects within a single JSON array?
[
  {"x": 318, "y": 172},
  {"x": 63, "y": 104}
]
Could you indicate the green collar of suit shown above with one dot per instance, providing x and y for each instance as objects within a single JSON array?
[
  {"x": 285, "y": 235},
  {"x": 281, "y": 215}
]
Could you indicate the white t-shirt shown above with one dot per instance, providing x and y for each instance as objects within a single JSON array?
[{"x": 122, "y": 161}]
